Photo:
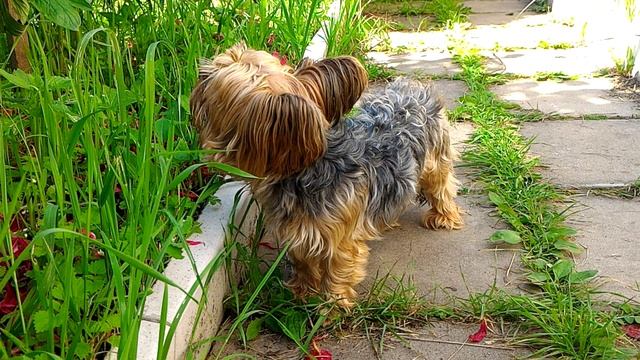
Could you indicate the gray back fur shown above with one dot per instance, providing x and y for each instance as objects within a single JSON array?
[{"x": 381, "y": 145}]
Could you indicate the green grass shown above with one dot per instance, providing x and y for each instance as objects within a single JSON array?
[
  {"x": 100, "y": 169},
  {"x": 541, "y": 6},
  {"x": 623, "y": 66},
  {"x": 379, "y": 72},
  {"x": 442, "y": 13},
  {"x": 558, "y": 46},
  {"x": 449, "y": 12},
  {"x": 554, "y": 75},
  {"x": 261, "y": 302},
  {"x": 561, "y": 320},
  {"x": 353, "y": 33}
]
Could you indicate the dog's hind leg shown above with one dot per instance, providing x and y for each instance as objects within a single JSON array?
[{"x": 439, "y": 185}]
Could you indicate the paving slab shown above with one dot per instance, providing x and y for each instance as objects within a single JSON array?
[
  {"x": 508, "y": 36},
  {"x": 419, "y": 41},
  {"x": 439, "y": 341},
  {"x": 608, "y": 228},
  {"x": 450, "y": 91},
  {"x": 524, "y": 32},
  {"x": 587, "y": 153},
  {"x": 446, "y": 263},
  {"x": 496, "y": 12},
  {"x": 575, "y": 61},
  {"x": 496, "y": 6},
  {"x": 427, "y": 63},
  {"x": 498, "y": 18},
  {"x": 588, "y": 96},
  {"x": 410, "y": 23}
]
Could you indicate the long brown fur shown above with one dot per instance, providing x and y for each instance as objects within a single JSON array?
[
  {"x": 266, "y": 117},
  {"x": 284, "y": 126}
]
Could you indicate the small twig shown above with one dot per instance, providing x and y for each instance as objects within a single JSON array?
[
  {"x": 462, "y": 343},
  {"x": 525, "y": 8},
  {"x": 506, "y": 276},
  {"x": 457, "y": 350}
]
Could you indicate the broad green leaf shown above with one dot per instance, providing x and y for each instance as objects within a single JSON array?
[
  {"x": 108, "y": 188},
  {"x": 43, "y": 321},
  {"x": 61, "y": 12},
  {"x": 59, "y": 82},
  {"x": 114, "y": 340},
  {"x": 253, "y": 329},
  {"x": 232, "y": 170},
  {"x": 81, "y": 4},
  {"x": 50, "y": 217},
  {"x": 105, "y": 324},
  {"x": 184, "y": 102},
  {"x": 496, "y": 199},
  {"x": 538, "y": 277},
  {"x": 149, "y": 271},
  {"x": 562, "y": 268},
  {"x": 294, "y": 325},
  {"x": 19, "y": 78},
  {"x": 563, "y": 231},
  {"x": 83, "y": 350},
  {"x": 582, "y": 276},
  {"x": 567, "y": 246},
  {"x": 76, "y": 130},
  {"x": 20, "y": 8},
  {"x": 182, "y": 176},
  {"x": 506, "y": 236},
  {"x": 175, "y": 251},
  {"x": 539, "y": 264}
]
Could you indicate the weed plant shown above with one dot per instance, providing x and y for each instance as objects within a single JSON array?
[
  {"x": 561, "y": 319},
  {"x": 442, "y": 13}
]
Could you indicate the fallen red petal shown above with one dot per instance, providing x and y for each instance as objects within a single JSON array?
[
  {"x": 9, "y": 301},
  {"x": 194, "y": 243},
  {"x": 97, "y": 254},
  {"x": 267, "y": 245},
  {"x": 480, "y": 334},
  {"x": 321, "y": 354},
  {"x": 190, "y": 194},
  {"x": 18, "y": 244},
  {"x": 283, "y": 60},
  {"x": 91, "y": 235},
  {"x": 632, "y": 331},
  {"x": 17, "y": 224}
]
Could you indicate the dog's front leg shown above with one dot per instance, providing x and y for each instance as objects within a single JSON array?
[
  {"x": 345, "y": 268},
  {"x": 307, "y": 274}
]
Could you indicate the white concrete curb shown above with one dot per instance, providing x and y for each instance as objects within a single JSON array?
[
  {"x": 317, "y": 48},
  {"x": 194, "y": 324}
]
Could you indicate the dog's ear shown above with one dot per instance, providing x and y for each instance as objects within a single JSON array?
[
  {"x": 279, "y": 134},
  {"x": 333, "y": 84}
]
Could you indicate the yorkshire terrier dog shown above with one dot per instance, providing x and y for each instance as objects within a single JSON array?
[{"x": 329, "y": 178}]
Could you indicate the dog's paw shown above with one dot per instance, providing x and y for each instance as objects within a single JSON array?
[
  {"x": 346, "y": 304},
  {"x": 299, "y": 288},
  {"x": 434, "y": 220}
]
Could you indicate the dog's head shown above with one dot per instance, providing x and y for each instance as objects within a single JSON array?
[{"x": 265, "y": 118}]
